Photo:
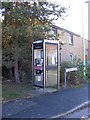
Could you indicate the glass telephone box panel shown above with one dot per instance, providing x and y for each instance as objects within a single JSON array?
[
  {"x": 51, "y": 65},
  {"x": 38, "y": 66}
]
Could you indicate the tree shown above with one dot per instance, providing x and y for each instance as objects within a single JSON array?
[{"x": 24, "y": 23}]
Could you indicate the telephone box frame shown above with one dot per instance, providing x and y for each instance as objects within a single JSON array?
[{"x": 44, "y": 43}]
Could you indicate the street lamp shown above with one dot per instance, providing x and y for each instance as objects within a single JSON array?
[
  {"x": 84, "y": 68},
  {"x": 88, "y": 1},
  {"x": 84, "y": 73}
]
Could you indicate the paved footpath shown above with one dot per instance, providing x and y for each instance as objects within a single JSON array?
[{"x": 47, "y": 105}]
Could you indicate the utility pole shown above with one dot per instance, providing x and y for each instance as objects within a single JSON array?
[
  {"x": 88, "y": 1},
  {"x": 84, "y": 68}
]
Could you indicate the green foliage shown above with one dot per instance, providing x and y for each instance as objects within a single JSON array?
[
  {"x": 25, "y": 23},
  {"x": 79, "y": 64},
  {"x": 73, "y": 77},
  {"x": 88, "y": 72},
  {"x": 65, "y": 64}
]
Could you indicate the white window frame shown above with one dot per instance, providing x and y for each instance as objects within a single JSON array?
[{"x": 71, "y": 39}]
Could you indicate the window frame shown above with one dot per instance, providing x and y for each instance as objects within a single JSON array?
[{"x": 71, "y": 39}]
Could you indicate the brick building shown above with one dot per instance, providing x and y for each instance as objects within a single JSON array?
[{"x": 73, "y": 44}]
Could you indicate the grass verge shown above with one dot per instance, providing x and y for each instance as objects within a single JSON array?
[{"x": 12, "y": 91}]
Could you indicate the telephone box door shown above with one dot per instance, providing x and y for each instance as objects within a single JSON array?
[{"x": 51, "y": 65}]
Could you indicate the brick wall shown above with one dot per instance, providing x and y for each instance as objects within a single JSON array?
[{"x": 76, "y": 49}]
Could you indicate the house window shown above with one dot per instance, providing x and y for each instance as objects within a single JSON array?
[
  {"x": 71, "y": 39},
  {"x": 71, "y": 57}
]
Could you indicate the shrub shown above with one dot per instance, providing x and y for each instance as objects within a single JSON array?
[
  {"x": 88, "y": 72},
  {"x": 74, "y": 78},
  {"x": 26, "y": 73}
]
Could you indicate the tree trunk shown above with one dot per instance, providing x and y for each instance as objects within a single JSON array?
[
  {"x": 16, "y": 69},
  {"x": 20, "y": 72},
  {"x": 16, "y": 72},
  {"x": 10, "y": 73}
]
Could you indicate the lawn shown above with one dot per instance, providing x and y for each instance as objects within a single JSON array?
[{"x": 12, "y": 91}]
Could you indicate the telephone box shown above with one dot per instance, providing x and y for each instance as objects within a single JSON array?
[{"x": 46, "y": 65}]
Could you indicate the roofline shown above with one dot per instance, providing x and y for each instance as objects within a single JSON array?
[{"x": 60, "y": 28}]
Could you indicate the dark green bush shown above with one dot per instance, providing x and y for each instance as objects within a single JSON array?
[
  {"x": 88, "y": 72},
  {"x": 26, "y": 73}
]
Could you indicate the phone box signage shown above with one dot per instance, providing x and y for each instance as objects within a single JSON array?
[{"x": 38, "y": 46}]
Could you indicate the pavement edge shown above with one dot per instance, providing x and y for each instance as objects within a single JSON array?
[{"x": 85, "y": 104}]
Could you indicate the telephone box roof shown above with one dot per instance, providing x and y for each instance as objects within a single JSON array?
[{"x": 48, "y": 41}]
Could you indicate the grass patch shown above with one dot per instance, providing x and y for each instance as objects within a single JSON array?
[{"x": 14, "y": 91}]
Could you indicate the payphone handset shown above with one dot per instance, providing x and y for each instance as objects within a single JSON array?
[{"x": 38, "y": 62}]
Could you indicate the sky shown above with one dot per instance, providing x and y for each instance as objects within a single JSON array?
[{"x": 73, "y": 21}]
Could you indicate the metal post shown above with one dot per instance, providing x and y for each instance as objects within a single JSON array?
[
  {"x": 65, "y": 77},
  {"x": 60, "y": 63},
  {"x": 84, "y": 74},
  {"x": 58, "y": 53},
  {"x": 44, "y": 64}
]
